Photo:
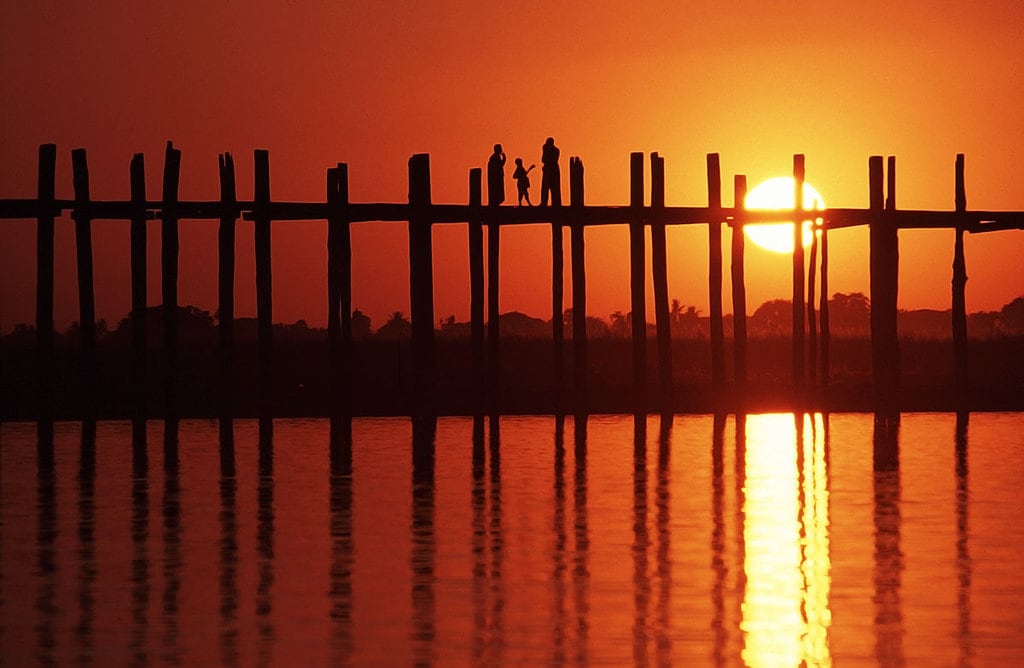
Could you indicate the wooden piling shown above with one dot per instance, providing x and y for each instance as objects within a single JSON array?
[
  {"x": 637, "y": 274},
  {"x": 812, "y": 321},
  {"x": 884, "y": 264},
  {"x": 264, "y": 280},
  {"x": 826, "y": 333},
  {"x": 579, "y": 287},
  {"x": 659, "y": 272},
  {"x": 715, "y": 269},
  {"x": 45, "y": 196},
  {"x": 421, "y": 282},
  {"x": 476, "y": 285},
  {"x": 86, "y": 291},
  {"x": 739, "y": 289},
  {"x": 339, "y": 290},
  {"x": 226, "y": 279},
  {"x": 959, "y": 288},
  {"x": 557, "y": 300},
  {"x": 169, "y": 276},
  {"x": 493, "y": 312},
  {"x": 138, "y": 235},
  {"x": 798, "y": 272}
]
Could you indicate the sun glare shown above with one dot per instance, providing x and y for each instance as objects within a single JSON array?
[{"x": 773, "y": 194}]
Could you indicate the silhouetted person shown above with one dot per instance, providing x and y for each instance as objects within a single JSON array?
[
  {"x": 551, "y": 178},
  {"x": 496, "y": 177},
  {"x": 522, "y": 177}
]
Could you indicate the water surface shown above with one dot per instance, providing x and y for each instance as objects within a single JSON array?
[{"x": 769, "y": 540}]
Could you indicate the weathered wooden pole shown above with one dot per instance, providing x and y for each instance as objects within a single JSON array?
[
  {"x": 637, "y": 275},
  {"x": 959, "y": 285},
  {"x": 884, "y": 262},
  {"x": 476, "y": 285},
  {"x": 826, "y": 334},
  {"x": 86, "y": 291},
  {"x": 421, "y": 283},
  {"x": 798, "y": 271},
  {"x": 659, "y": 271},
  {"x": 339, "y": 290},
  {"x": 557, "y": 299},
  {"x": 169, "y": 276},
  {"x": 138, "y": 234},
  {"x": 495, "y": 187},
  {"x": 264, "y": 280},
  {"x": 812, "y": 320},
  {"x": 715, "y": 269},
  {"x": 579, "y": 286},
  {"x": 739, "y": 289},
  {"x": 46, "y": 194},
  {"x": 226, "y": 279}
]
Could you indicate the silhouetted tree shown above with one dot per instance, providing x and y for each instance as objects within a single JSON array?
[
  {"x": 360, "y": 325},
  {"x": 395, "y": 328}
]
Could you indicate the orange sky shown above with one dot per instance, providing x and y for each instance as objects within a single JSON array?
[{"x": 372, "y": 85}]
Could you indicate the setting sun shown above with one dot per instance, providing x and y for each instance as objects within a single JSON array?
[{"x": 773, "y": 194}]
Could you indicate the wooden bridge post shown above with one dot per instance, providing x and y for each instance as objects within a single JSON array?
[
  {"x": 884, "y": 250},
  {"x": 637, "y": 275},
  {"x": 476, "y": 285},
  {"x": 421, "y": 283},
  {"x": 826, "y": 333},
  {"x": 812, "y": 321},
  {"x": 798, "y": 271},
  {"x": 557, "y": 300},
  {"x": 339, "y": 290},
  {"x": 959, "y": 285},
  {"x": 715, "y": 270},
  {"x": 659, "y": 271},
  {"x": 494, "y": 185},
  {"x": 739, "y": 289},
  {"x": 264, "y": 280},
  {"x": 138, "y": 234},
  {"x": 226, "y": 279},
  {"x": 579, "y": 286},
  {"x": 86, "y": 290},
  {"x": 46, "y": 194},
  {"x": 169, "y": 276}
]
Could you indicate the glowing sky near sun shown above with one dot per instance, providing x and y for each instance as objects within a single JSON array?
[{"x": 372, "y": 83}]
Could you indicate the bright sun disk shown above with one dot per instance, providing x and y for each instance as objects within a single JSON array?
[{"x": 777, "y": 194}]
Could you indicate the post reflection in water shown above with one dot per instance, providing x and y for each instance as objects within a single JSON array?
[
  {"x": 720, "y": 626},
  {"x": 558, "y": 550},
  {"x": 228, "y": 547},
  {"x": 663, "y": 502},
  {"x": 888, "y": 577},
  {"x": 86, "y": 542},
  {"x": 140, "y": 585},
  {"x": 488, "y": 588},
  {"x": 265, "y": 543},
  {"x": 641, "y": 577},
  {"x": 46, "y": 551},
  {"x": 424, "y": 546},
  {"x": 963, "y": 555},
  {"x": 581, "y": 543},
  {"x": 342, "y": 543},
  {"x": 786, "y": 593},
  {"x": 172, "y": 556}
]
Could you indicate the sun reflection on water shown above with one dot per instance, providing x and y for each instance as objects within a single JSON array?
[{"x": 786, "y": 613}]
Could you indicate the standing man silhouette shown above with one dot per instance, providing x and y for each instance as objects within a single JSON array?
[
  {"x": 496, "y": 177},
  {"x": 551, "y": 177}
]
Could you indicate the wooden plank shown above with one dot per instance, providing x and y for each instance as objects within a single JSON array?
[
  {"x": 169, "y": 276},
  {"x": 637, "y": 275},
  {"x": 579, "y": 287},
  {"x": 739, "y": 290},
  {"x": 421, "y": 282},
  {"x": 476, "y": 284},
  {"x": 226, "y": 280},
  {"x": 139, "y": 268},
  {"x": 798, "y": 272},
  {"x": 715, "y": 269},
  {"x": 826, "y": 331},
  {"x": 264, "y": 280},
  {"x": 86, "y": 289},
  {"x": 44, "y": 277},
  {"x": 659, "y": 273},
  {"x": 959, "y": 288}
]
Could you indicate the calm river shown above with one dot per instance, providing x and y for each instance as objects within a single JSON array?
[{"x": 772, "y": 540}]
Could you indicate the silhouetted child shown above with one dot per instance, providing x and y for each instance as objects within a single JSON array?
[{"x": 522, "y": 177}]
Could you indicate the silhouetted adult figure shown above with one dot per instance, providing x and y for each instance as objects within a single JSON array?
[
  {"x": 496, "y": 177},
  {"x": 551, "y": 177}
]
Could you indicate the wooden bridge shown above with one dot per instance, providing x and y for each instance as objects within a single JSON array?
[{"x": 811, "y": 339}]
